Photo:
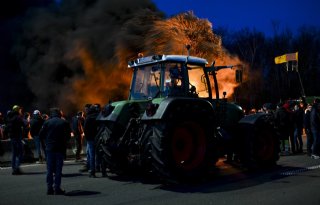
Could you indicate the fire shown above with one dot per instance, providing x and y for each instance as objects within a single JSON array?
[
  {"x": 110, "y": 81},
  {"x": 63, "y": 73},
  {"x": 170, "y": 36},
  {"x": 226, "y": 77},
  {"x": 100, "y": 83}
]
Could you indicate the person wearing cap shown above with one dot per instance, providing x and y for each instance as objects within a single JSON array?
[
  {"x": 35, "y": 127},
  {"x": 14, "y": 129},
  {"x": 56, "y": 133}
]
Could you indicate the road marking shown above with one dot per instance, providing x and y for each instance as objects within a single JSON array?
[
  {"x": 34, "y": 165},
  {"x": 299, "y": 170}
]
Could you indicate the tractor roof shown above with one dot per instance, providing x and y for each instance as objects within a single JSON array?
[{"x": 166, "y": 58}]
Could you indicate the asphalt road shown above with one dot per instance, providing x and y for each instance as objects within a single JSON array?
[{"x": 294, "y": 181}]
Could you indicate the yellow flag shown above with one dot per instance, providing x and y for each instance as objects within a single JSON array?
[
  {"x": 280, "y": 59},
  {"x": 286, "y": 58},
  {"x": 292, "y": 56}
]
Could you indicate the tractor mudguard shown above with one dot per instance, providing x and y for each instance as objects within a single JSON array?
[
  {"x": 172, "y": 106},
  {"x": 259, "y": 141},
  {"x": 121, "y": 112},
  {"x": 252, "y": 119}
]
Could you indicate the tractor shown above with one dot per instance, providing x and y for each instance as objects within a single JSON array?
[{"x": 175, "y": 126}]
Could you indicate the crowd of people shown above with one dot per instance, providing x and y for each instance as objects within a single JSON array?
[
  {"x": 291, "y": 120},
  {"x": 51, "y": 135}
]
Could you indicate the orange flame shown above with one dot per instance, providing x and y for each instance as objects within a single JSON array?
[
  {"x": 170, "y": 36},
  {"x": 110, "y": 80},
  {"x": 226, "y": 77},
  {"x": 100, "y": 83}
]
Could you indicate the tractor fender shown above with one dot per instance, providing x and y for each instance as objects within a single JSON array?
[
  {"x": 253, "y": 118},
  {"x": 170, "y": 107},
  {"x": 258, "y": 140}
]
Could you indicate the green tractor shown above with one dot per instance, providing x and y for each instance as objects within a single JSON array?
[{"x": 172, "y": 127}]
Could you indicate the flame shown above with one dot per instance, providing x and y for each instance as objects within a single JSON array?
[
  {"x": 80, "y": 55},
  {"x": 170, "y": 36},
  {"x": 110, "y": 80},
  {"x": 226, "y": 77},
  {"x": 100, "y": 83}
]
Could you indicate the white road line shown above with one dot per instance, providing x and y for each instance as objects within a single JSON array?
[
  {"x": 33, "y": 165},
  {"x": 299, "y": 170}
]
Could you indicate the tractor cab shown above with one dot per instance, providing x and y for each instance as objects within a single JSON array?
[{"x": 168, "y": 76}]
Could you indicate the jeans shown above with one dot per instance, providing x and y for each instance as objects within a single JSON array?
[
  {"x": 316, "y": 142},
  {"x": 54, "y": 169},
  {"x": 17, "y": 153},
  {"x": 298, "y": 139},
  {"x": 91, "y": 156},
  {"x": 38, "y": 147},
  {"x": 78, "y": 139},
  {"x": 309, "y": 141}
]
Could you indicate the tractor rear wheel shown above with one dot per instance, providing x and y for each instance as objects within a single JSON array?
[
  {"x": 260, "y": 145},
  {"x": 181, "y": 151},
  {"x": 109, "y": 152}
]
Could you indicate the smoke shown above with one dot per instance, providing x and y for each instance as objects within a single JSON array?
[{"x": 76, "y": 52}]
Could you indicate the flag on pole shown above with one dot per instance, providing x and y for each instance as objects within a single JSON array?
[
  {"x": 292, "y": 56},
  {"x": 280, "y": 59},
  {"x": 286, "y": 58}
]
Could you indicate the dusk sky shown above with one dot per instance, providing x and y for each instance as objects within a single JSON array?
[{"x": 238, "y": 14}]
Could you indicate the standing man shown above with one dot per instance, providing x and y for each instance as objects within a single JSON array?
[
  {"x": 282, "y": 119},
  {"x": 90, "y": 132},
  {"x": 298, "y": 115},
  {"x": 35, "y": 127},
  {"x": 307, "y": 128},
  {"x": 77, "y": 129},
  {"x": 56, "y": 132},
  {"x": 14, "y": 129}
]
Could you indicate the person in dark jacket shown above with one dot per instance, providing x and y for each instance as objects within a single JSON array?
[
  {"x": 307, "y": 128},
  {"x": 315, "y": 128},
  {"x": 77, "y": 129},
  {"x": 14, "y": 130},
  {"x": 56, "y": 132},
  {"x": 90, "y": 132},
  {"x": 282, "y": 120},
  {"x": 35, "y": 127},
  {"x": 26, "y": 121},
  {"x": 298, "y": 116}
]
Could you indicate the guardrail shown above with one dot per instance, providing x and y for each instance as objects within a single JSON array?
[{"x": 29, "y": 154}]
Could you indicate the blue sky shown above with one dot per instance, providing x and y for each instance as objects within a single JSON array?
[{"x": 237, "y": 14}]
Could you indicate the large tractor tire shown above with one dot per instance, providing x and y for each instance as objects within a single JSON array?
[
  {"x": 109, "y": 151},
  {"x": 260, "y": 143},
  {"x": 180, "y": 151}
]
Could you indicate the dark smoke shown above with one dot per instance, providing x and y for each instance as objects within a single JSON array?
[
  {"x": 63, "y": 46},
  {"x": 76, "y": 52}
]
